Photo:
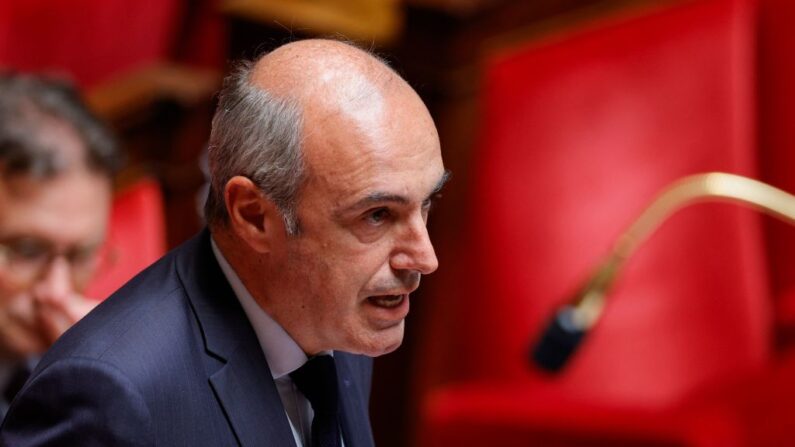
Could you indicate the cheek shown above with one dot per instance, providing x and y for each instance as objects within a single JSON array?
[
  {"x": 338, "y": 290},
  {"x": 16, "y": 303},
  {"x": 9, "y": 291},
  {"x": 348, "y": 266},
  {"x": 315, "y": 278},
  {"x": 334, "y": 274},
  {"x": 361, "y": 275}
]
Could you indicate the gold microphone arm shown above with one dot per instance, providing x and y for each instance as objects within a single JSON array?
[{"x": 714, "y": 186}]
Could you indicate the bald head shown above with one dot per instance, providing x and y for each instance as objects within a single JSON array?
[
  {"x": 312, "y": 69},
  {"x": 283, "y": 101},
  {"x": 337, "y": 86}
]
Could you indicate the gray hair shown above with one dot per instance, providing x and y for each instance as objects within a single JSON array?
[
  {"x": 256, "y": 135},
  {"x": 29, "y": 105}
]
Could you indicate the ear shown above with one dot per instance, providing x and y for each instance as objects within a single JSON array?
[{"x": 253, "y": 217}]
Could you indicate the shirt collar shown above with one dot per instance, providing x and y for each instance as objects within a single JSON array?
[{"x": 281, "y": 351}]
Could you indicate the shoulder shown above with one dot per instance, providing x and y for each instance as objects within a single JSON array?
[
  {"x": 117, "y": 376},
  {"x": 152, "y": 303},
  {"x": 105, "y": 408},
  {"x": 129, "y": 329},
  {"x": 137, "y": 311}
]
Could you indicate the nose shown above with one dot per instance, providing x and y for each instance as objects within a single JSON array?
[
  {"x": 415, "y": 251},
  {"x": 56, "y": 284}
]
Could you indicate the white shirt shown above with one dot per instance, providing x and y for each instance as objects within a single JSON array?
[{"x": 281, "y": 351}]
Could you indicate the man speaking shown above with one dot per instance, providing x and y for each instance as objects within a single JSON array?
[{"x": 324, "y": 164}]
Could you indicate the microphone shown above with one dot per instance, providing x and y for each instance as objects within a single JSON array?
[
  {"x": 566, "y": 330},
  {"x": 568, "y": 327}
]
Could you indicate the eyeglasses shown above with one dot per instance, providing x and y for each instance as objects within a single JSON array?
[{"x": 28, "y": 259}]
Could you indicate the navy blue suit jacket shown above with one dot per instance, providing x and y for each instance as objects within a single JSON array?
[{"x": 169, "y": 360}]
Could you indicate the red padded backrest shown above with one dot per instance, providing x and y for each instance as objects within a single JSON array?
[
  {"x": 578, "y": 134},
  {"x": 776, "y": 126},
  {"x": 91, "y": 40},
  {"x": 136, "y": 236}
]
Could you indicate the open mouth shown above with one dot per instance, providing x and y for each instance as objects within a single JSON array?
[{"x": 387, "y": 301}]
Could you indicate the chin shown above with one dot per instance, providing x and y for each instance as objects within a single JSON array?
[
  {"x": 379, "y": 351},
  {"x": 380, "y": 343},
  {"x": 387, "y": 349}
]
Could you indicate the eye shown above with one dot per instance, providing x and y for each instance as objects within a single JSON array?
[
  {"x": 429, "y": 203},
  {"x": 26, "y": 250},
  {"x": 83, "y": 255},
  {"x": 377, "y": 216}
]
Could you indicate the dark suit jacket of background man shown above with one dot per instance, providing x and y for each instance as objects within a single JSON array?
[{"x": 170, "y": 359}]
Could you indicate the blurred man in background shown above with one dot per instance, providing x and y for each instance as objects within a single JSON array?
[{"x": 56, "y": 165}]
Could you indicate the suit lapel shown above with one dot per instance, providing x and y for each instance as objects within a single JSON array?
[
  {"x": 243, "y": 383},
  {"x": 247, "y": 393},
  {"x": 355, "y": 420}
]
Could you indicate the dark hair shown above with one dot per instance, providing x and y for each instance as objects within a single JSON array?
[{"x": 28, "y": 106}]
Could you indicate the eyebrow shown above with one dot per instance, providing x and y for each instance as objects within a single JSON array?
[
  {"x": 440, "y": 184},
  {"x": 381, "y": 197}
]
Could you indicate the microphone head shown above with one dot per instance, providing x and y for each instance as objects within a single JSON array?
[{"x": 559, "y": 341}]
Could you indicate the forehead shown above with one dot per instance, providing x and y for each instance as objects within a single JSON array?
[
  {"x": 381, "y": 140},
  {"x": 68, "y": 209}
]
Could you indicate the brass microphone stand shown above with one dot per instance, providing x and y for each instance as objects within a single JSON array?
[{"x": 565, "y": 331}]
